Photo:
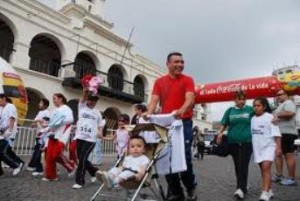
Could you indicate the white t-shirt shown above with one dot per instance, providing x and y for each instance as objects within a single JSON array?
[
  {"x": 149, "y": 136},
  {"x": 7, "y": 112},
  {"x": 41, "y": 115},
  {"x": 263, "y": 137},
  {"x": 287, "y": 125},
  {"x": 89, "y": 121},
  {"x": 135, "y": 163}
]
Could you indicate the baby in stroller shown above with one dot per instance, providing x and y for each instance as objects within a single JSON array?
[{"x": 134, "y": 165}]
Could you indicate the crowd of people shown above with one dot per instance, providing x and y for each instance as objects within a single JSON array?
[{"x": 268, "y": 135}]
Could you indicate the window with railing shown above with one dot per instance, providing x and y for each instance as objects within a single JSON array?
[
  {"x": 5, "y": 52},
  {"x": 84, "y": 64},
  {"x": 82, "y": 69},
  {"x": 43, "y": 66},
  {"x": 45, "y": 55},
  {"x": 139, "y": 87},
  {"x": 115, "y": 77}
]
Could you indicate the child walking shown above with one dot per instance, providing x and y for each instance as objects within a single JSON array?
[
  {"x": 134, "y": 165},
  {"x": 41, "y": 121},
  {"x": 88, "y": 130},
  {"x": 266, "y": 143},
  {"x": 122, "y": 136}
]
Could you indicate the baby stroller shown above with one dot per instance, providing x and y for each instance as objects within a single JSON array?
[{"x": 152, "y": 152}]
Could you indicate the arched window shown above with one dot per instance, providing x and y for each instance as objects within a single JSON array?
[
  {"x": 115, "y": 77},
  {"x": 139, "y": 87},
  {"x": 84, "y": 64},
  {"x": 45, "y": 55},
  {"x": 6, "y": 41},
  {"x": 111, "y": 116}
]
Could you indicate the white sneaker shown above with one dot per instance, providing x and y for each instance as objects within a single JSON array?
[
  {"x": 271, "y": 194},
  {"x": 77, "y": 186},
  {"x": 30, "y": 169},
  {"x": 18, "y": 169},
  {"x": 35, "y": 174},
  {"x": 93, "y": 179},
  {"x": 239, "y": 194},
  {"x": 264, "y": 196}
]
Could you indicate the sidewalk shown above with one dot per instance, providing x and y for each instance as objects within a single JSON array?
[{"x": 215, "y": 176}]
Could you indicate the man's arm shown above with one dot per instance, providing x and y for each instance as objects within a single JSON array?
[
  {"x": 285, "y": 114},
  {"x": 188, "y": 104},
  {"x": 153, "y": 103}
]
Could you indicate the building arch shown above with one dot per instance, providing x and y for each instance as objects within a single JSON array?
[
  {"x": 111, "y": 115},
  {"x": 116, "y": 76},
  {"x": 140, "y": 86},
  {"x": 85, "y": 62},
  {"x": 7, "y": 37},
  {"x": 45, "y": 54},
  {"x": 34, "y": 97}
]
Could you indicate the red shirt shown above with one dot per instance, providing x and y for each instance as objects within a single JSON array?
[{"x": 171, "y": 92}]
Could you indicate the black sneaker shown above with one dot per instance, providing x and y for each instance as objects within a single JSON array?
[
  {"x": 176, "y": 198},
  {"x": 192, "y": 195}
]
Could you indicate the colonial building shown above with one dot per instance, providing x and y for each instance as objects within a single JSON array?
[{"x": 52, "y": 49}]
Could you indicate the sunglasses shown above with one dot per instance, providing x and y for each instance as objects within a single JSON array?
[{"x": 280, "y": 95}]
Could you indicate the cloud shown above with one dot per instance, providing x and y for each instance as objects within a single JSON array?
[{"x": 221, "y": 39}]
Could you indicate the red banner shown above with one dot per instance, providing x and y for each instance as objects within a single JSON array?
[{"x": 263, "y": 86}]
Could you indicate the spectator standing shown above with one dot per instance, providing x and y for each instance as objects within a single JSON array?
[
  {"x": 285, "y": 116},
  {"x": 237, "y": 119}
]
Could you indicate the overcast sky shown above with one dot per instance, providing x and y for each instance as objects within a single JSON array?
[{"x": 220, "y": 39}]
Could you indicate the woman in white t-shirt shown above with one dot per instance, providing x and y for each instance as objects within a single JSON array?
[
  {"x": 266, "y": 143},
  {"x": 88, "y": 130},
  {"x": 8, "y": 128}
]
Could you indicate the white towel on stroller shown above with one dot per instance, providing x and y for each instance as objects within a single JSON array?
[{"x": 172, "y": 156}]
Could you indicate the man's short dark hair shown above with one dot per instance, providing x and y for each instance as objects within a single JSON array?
[{"x": 173, "y": 54}]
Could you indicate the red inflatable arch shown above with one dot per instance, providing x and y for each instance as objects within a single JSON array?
[{"x": 263, "y": 86}]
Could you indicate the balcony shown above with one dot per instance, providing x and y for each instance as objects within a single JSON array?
[
  {"x": 46, "y": 67},
  {"x": 114, "y": 87}
]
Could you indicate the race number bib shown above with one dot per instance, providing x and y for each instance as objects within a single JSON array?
[{"x": 86, "y": 129}]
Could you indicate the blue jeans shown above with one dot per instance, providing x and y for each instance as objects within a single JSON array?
[
  {"x": 35, "y": 161},
  {"x": 187, "y": 177}
]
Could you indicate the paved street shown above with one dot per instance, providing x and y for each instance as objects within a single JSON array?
[{"x": 215, "y": 176}]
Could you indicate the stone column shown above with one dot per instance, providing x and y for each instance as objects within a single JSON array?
[{"x": 20, "y": 57}]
